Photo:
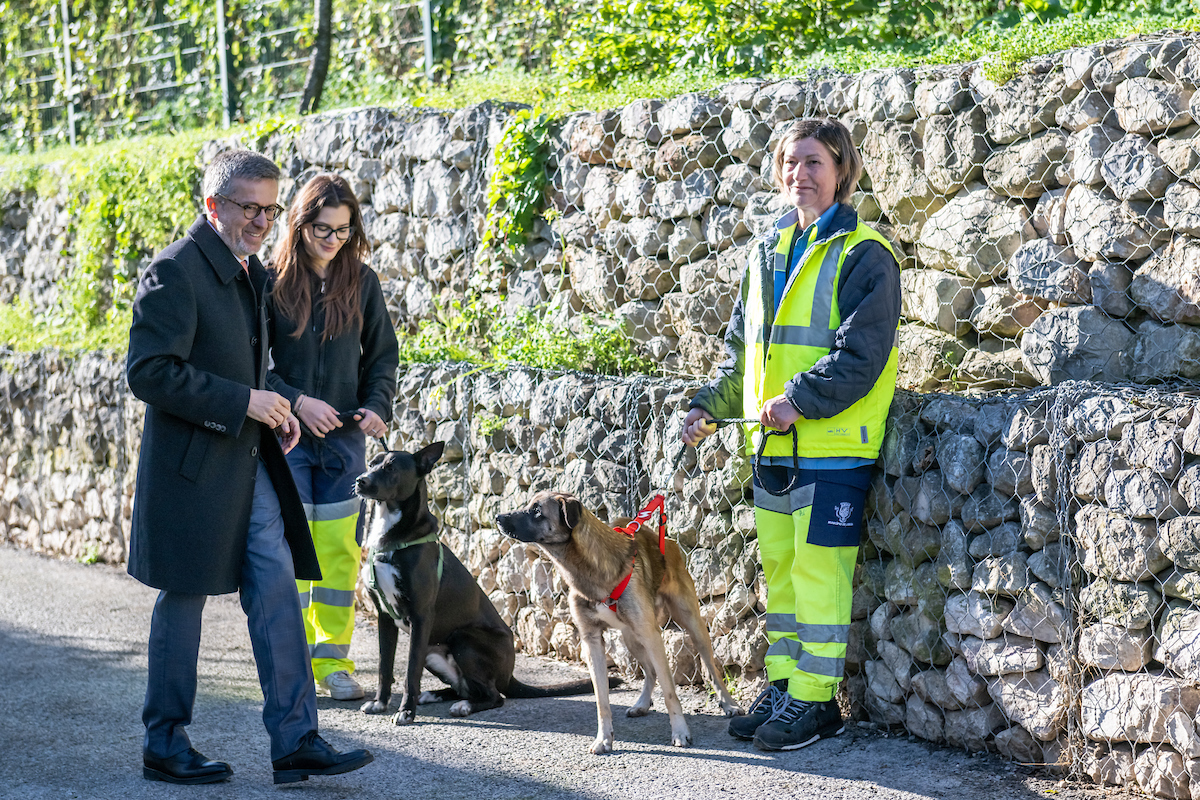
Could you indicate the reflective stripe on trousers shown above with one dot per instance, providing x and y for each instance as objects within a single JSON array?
[
  {"x": 809, "y": 594},
  {"x": 325, "y": 471}
]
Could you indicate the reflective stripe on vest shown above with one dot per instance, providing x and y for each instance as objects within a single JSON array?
[{"x": 803, "y": 332}]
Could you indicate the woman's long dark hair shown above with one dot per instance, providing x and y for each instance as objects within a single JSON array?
[{"x": 293, "y": 267}]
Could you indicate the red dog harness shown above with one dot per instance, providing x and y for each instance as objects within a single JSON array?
[{"x": 656, "y": 504}]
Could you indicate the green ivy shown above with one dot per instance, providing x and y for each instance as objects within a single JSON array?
[{"x": 516, "y": 193}]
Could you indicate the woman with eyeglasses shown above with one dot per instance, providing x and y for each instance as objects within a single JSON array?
[{"x": 335, "y": 358}]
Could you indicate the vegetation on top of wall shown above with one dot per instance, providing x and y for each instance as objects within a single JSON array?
[{"x": 471, "y": 330}]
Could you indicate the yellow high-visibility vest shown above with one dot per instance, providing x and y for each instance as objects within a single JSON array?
[{"x": 802, "y": 334}]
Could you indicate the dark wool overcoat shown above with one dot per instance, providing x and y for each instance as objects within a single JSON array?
[{"x": 197, "y": 346}]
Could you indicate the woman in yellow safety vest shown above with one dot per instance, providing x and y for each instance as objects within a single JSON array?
[{"x": 811, "y": 343}]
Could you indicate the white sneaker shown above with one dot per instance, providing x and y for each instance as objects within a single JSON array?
[{"x": 341, "y": 686}]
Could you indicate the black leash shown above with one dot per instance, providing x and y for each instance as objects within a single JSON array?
[{"x": 762, "y": 446}]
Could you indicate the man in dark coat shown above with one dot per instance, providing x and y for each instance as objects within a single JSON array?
[{"x": 215, "y": 509}]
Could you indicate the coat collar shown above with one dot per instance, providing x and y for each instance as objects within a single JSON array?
[{"x": 218, "y": 254}]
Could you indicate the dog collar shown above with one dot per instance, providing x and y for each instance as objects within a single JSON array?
[{"x": 656, "y": 504}]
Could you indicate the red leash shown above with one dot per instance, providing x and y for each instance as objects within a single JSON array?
[{"x": 657, "y": 503}]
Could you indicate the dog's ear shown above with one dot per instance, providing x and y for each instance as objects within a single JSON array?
[
  {"x": 426, "y": 457},
  {"x": 377, "y": 460},
  {"x": 572, "y": 511}
]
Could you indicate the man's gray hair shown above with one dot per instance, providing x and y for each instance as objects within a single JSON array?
[{"x": 232, "y": 165}]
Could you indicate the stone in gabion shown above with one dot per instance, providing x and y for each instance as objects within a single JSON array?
[
  {"x": 899, "y": 662},
  {"x": 1179, "y": 539},
  {"x": 1142, "y": 493},
  {"x": 1168, "y": 285},
  {"x": 974, "y": 235},
  {"x": 1050, "y": 565},
  {"x": 930, "y": 685},
  {"x": 937, "y": 298},
  {"x": 1181, "y": 733},
  {"x": 1107, "y": 646},
  {"x": 1101, "y": 227},
  {"x": 896, "y": 166},
  {"x": 985, "y": 509},
  {"x": 1182, "y": 584},
  {"x": 954, "y": 569},
  {"x": 1133, "y": 170},
  {"x": 968, "y": 689},
  {"x": 1109, "y": 765},
  {"x": 1006, "y": 575},
  {"x": 923, "y": 719},
  {"x": 1146, "y": 105},
  {"x": 1037, "y": 615},
  {"x": 1001, "y": 656},
  {"x": 955, "y": 147},
  {"x": 881, "y": 621},
  {"x": 1134, "y": 707},
  {"x": 1027, "y": 168},
  {"x": 1160, "y": 771},
  {"x": 1003, "y": 540},
  {"x": 1121, "y": 548},
  {"x": 1042, "y": 269},
  {"x": 880, "y": 711},
  {"x": 1034, "y": 700},
  {"x": 881, "y": 682},
  {"x": 1178, "y": 643},
  {"x": 1129, "y": 605},
  {"x": 977, "y": 614},
  {"x": 921, "y": 637},
  {"x": 971, "y": 728}
]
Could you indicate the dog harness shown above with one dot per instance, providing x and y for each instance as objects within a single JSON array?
[
  {"x": 656, "y": 504},
  {"x": 374, "y": 554}
]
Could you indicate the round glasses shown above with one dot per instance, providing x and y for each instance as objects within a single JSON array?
[
  {"x": 252, "y": 210},
  {"x": 323, "y": 231}
]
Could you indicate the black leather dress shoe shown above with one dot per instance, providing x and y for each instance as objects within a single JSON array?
[
  {"x": 187, "y": 767},
  {"x": 317, "y": 757}
]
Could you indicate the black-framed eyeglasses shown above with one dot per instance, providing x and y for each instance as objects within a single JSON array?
[
  {"x": 323, "y": 231},
  {"x": 252, "y": 210}
]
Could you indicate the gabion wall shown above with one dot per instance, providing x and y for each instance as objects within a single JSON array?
[{"x": 1028, "y": 581}]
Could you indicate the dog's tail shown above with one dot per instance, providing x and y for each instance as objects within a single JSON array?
[{"x": 517, "y": 689}]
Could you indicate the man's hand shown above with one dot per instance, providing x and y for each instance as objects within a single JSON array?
[
  {"x": 289, "y": 433},
  {"x": 269, "y": 408},
  {"x": 319, "y": 416},
  {"x": 779, "y": 414},
  {"x": 371, "y": 424},
  {"x": 696, "y": 427}
]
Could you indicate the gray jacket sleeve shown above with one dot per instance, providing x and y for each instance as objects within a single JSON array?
[{"x": 869, "y": 305}]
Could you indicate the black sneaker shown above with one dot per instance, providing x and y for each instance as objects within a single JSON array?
[
  {"x": 798, "y": 724},
  {"x": 743, "y": 727}
]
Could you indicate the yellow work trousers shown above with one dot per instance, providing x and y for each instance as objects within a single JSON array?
[{"x": 808, "y": 543}]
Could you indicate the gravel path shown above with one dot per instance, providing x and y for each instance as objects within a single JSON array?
[{"x": 72, "y": 650}]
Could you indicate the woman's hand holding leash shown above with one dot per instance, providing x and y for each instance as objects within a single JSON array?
[
  {"x": 696, "y": 427},
  {"x": 779, "y": 414},
  {"x": 319, "y": 416}
]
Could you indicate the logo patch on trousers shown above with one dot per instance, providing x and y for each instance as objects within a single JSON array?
[{"x": 843, "y": 511}]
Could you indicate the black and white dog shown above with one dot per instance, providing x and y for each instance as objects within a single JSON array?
[{"x": 417, "y": 583}]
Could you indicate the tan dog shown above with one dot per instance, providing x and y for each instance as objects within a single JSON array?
[{"x": 594, "y": 559}]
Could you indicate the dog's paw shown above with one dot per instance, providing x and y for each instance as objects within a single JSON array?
[
  {"x": 426, "y": 698},
  {"x": 732, "y": 709},
  {"x": 681, "y": 736},
  {"x": 461, "y": 709},
  {"x": 373, "y": 707},
  {"x": 638, "y": 711},
  {"x": 405, "y": 716},
  {"x": 601, "y": 746}
]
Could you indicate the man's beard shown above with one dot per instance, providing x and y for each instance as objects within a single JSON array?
[{"x": 240, "y": 247}]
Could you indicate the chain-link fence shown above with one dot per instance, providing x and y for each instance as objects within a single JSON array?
[{"x": 110, "y": 70}]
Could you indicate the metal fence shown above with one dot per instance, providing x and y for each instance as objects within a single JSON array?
[{"x": 171, "y": 66}]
